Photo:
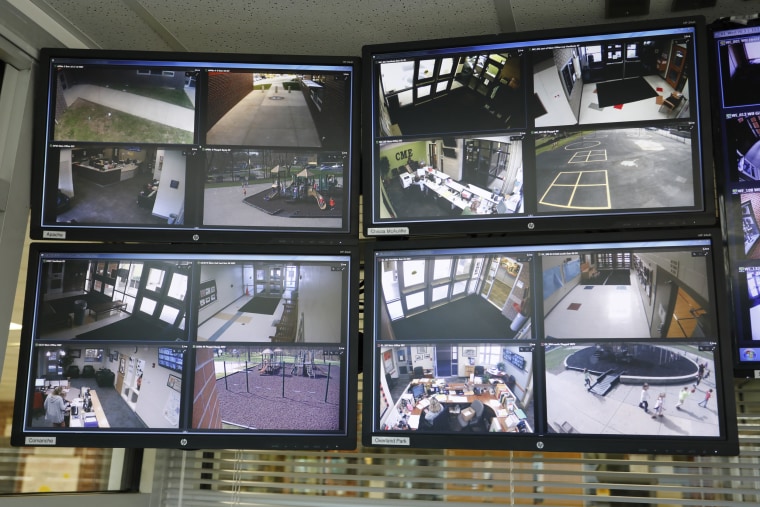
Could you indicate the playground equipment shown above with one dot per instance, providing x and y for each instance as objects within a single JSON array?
[
  {"x": 303, "y": 365},
  {"x": 312, "y": 183},
  {"x": 277, "y": 187},
  {"x": 271, "y": 361}
]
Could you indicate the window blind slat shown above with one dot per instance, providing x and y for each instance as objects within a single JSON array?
[{"x": 385, "y": 477}]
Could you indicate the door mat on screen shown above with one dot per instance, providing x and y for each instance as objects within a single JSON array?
[
  {"x": 262, "y": 305},
  {"x": 471, "y": 317},
  {"x": 622, "y": 91},
  {"x": 133, "y": 328}
]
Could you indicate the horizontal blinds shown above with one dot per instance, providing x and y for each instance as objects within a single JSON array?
[{"x": 392, "y": 477}]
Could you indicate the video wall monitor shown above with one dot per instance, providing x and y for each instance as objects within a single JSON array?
[
  {"x": 189, "y": 347},
  {"x": 603, "y": 342},
  {"x": 736, "y": 57},
  {"x": 601, "y": 127},
  {"x": 184, "y": 147}
]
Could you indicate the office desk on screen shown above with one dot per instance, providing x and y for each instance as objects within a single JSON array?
[
  {"x": 95, "y": 418},
  {"x": 105, "y": 172},
  {"x": 506, "y": 420},
  {"x": 465, "y": 197}
]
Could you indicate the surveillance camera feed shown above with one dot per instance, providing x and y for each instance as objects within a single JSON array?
[
  {"x": 737, "y": 58},
  {"x": 477, "y": 133},
  {"x": 169, "y": 142},
  {"x": 565, "y": 345},
  {"x": 185, "y": 349}
]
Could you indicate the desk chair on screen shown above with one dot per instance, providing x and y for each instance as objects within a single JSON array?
[
  {"x": 439, "y": 424},
  {"x": 673, "y": 103},
  {"x": 471, "y": 417}
]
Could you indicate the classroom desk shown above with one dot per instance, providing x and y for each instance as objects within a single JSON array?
[{"x": 506, "y": 419}]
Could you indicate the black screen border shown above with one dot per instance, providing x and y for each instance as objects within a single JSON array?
[
  {"x": 629, "y": 219},
  {"x": 343, "y": 439},
  {"x": 725, "y": 444},
  {"x": 731, "y": 187},
  {"x": 43, "y": 193}
]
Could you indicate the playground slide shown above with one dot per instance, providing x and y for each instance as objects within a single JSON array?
[
  {"x": 320, "y": 200},
  {"x": 272, "y": 193}
]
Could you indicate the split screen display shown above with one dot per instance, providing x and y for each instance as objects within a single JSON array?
[{"x": 541, "y": 255}]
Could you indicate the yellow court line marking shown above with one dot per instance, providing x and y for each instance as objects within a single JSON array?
[{"x": 575, "y": 186}]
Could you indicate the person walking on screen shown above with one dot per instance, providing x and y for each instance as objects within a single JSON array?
[
  {"x": 55, "y": 408},
  {"x": 659, "y": 406},
  {"x": 682, "y": 395},
  {"x": 708, "y": 395},
  {"x": 587, "y": 378},
  {"x": 644, "y": 398}
]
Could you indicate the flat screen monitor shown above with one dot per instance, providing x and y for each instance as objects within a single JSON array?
[
  {"x": 599, "y": 127},
  {"x": 189, "y": 347},
  {"x": 607, "y": 342},
  {"x": 197, "y": 148},
  {"x": 736, "y": 58}
]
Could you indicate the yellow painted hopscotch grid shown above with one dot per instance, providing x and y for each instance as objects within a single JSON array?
[{"x": 580, "y": 182}]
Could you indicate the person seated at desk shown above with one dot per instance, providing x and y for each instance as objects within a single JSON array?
[
  {"x": 434, "y": 417},
  {"x": 147, "y": 195}
]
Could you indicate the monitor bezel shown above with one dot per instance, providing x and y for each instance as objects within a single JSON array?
[
  {"x": 43, "y": 193},
  {"x": 724, "y": 444},
  {"x": 730, "y": 188},
  {"x": 373, "y": 226},
  {"x": 186, "y": 437}
]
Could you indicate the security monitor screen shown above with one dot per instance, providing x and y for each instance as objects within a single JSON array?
[
  {"x": 736, "y": 53},
  {"x": 532, "y": 132},
  {"x": 161, "y": 144},
  {"x": 611, "y": 343},
  {"x": 188, "y": 349}
]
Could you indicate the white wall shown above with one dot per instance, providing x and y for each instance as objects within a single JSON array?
[
  {"x": 229, "y": 287},
  {"x": 319, "y": 301},
  {"x": 169, "y": 200},
  {"x": 65, "y": 174},
  {"x": 155, "y": 395},
  {"x": 15, "y": 170}
]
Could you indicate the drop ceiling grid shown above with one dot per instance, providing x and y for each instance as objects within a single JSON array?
[
  {"x": 276, "y": 26},
  {"x": 111, "y": 24},
  {"x": 544, "y": 14},
  {"x": 315, "y": 26}
]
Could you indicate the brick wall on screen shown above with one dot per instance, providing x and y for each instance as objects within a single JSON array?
[
  {"x": 224, "y": 91},
  {"x": 206, "y": 412}
]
